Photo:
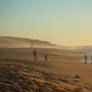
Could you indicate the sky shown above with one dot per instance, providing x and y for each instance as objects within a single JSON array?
[{"x": 63, "y": 22}]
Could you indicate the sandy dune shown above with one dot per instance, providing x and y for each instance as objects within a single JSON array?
[{"x": 18, "y": 72}]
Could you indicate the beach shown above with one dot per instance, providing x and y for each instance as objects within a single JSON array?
[{"x": 19, "y": 73}]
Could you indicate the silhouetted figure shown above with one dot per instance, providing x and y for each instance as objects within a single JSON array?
[
  {"x": 85, "y": 59},
  {"x": 46, "y": 57},
  {"x": 35, "y": 55},
  {"x": 91, "y": 59},
  {"x": 32, "y": 46}
]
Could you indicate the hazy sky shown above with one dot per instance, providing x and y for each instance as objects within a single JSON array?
[{"x": 64, "y": 22}]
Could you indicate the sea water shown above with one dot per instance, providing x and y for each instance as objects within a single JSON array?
[{"x": 89, "y": 58}]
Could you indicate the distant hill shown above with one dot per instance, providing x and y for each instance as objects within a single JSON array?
[{"x": 13, "y": 42}]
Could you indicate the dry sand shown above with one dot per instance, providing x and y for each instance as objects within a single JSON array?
[{"x": 18, "y": 72}]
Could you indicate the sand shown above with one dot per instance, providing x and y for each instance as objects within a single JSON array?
[{"x": 19, "y": 73}]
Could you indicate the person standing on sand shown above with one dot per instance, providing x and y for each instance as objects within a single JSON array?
[
  {"x": 91, "y": 59},
  {"x": 32, "y": 46},
  {"x": 35, "y": 55},
  {"x": 46, "y": 57},
  {"x": 85, "y": 59}
]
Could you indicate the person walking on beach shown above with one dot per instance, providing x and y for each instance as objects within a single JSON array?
[
  {"x": 85, "y": 59},
  {"x": 35, "y": 55},
  {"x": 46, "y": 57}
]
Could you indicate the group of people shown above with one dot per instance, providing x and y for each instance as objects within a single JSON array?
[
  {"x": 35, "y": 56},
  {"x": 46, "y": 56}
]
